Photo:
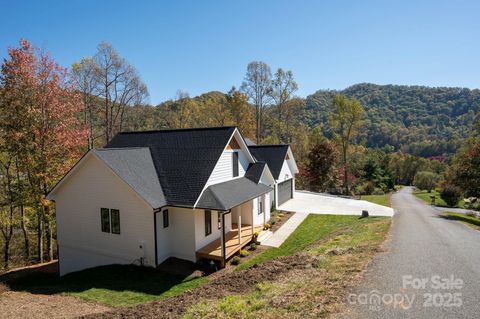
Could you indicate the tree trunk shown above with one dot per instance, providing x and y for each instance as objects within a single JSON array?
[
  {"x": 49, "y": 240},
  {"x": 6, "y": 253},
  {"x": 40, "y": 236},
  {"x": 345, "y": 172},
  {"x": 25, "y": 234}
]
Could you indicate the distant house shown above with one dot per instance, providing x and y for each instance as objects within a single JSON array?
[{"x": 148, "y": 196}]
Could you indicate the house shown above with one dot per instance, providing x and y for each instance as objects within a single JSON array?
[{"x": 187, "y": 193}]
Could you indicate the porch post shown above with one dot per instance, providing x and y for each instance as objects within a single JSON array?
[
  {"x": 222, "y": 239},
  {"x": 239, "y": 229},
  {"x": 264, "y": 209},
  {"x": 253, "y": 218}
]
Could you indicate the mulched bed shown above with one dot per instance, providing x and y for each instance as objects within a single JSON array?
[
  {"x": 222, "y": 286},
  {"x": 279, "y": 220}
]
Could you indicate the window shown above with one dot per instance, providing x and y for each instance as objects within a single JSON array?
[
  {"x": 165, "y": 218},
  {"x": 208, "y": 222},
  {"x": 115, "y": 221},
  {"x": 260, "y": 206},
  {"x": 219, "y": 218},
  {"x": 235, "y": 164},
  {"x": 105, "y": 218},
  {"x": 110, "y": 220}
]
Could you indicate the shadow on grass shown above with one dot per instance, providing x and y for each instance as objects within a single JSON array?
[
  {"x": 113, "y": 277},
  {"x": 463, "y": 218}
]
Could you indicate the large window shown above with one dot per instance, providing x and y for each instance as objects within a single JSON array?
[
  {"x": 208, "y": 222},
  {"x": 165, "y": 219},
  {"x": 260, "y": 206},
  {"x": 110, "y": 220},
  {"x": 235, "y": 164}
]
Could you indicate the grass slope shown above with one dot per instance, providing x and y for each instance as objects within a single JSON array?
[
  {"x": 378, "y": 199},
  {"x": 425, "y": 196},
  {"x": 113, "y": 286},
  {"x": 343, "y": 246},
  {"x": 471, "y": 221}
]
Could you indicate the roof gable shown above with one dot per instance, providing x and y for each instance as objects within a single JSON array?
[{"x": 273, "y": 155}]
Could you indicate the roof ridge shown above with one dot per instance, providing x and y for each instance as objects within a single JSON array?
[
  {"x": 269, "y": 145},
  {"x": 179, "y": 129}
]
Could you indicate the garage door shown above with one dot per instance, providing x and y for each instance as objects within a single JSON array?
[{"x": 284, "y": 191}]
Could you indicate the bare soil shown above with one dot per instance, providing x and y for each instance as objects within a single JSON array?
[
  {"x": 19, "y": 304},
  {"x": 227, "y": 284}
]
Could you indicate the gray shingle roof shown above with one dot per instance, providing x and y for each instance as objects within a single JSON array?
[
  {"x": 273, "y": 155},
  {"x": 224, "y": 196},
  {"x": 183, "y": 159},
  {"x": 254, "y": 171},
  {"x": 135, "y": 167}
]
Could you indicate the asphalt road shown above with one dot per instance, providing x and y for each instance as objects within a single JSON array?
[{"x": 431, "y": 268}]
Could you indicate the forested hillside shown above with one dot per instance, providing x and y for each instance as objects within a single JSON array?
[{"x": 418, "y": 120}]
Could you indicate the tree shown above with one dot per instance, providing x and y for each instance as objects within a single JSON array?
[
  {"x": 321, "y": 166},
  {"x": 345, "y": 120},
  {"x": 39, "y": 125},
  {"x": 114, "y": 82},
  {"x": 242, "y": 113},
  {"x": 465, "y": 169},
  {"x": 258, "y": 87},
  {"x": 426, "y": 180}
]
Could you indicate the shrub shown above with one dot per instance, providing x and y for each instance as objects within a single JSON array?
[
  {"x": 255, "y": 234},
  {"x": 471, "y": 214},
  {"x": 253, "y": 246},
  {"x": 244, "y": 253},
  {"x": 368, "y": 188},
  {"x": 426, "y": 181},
  {"x": 451, "y": 194},
  {"x": 266, "y": 226},
  {"x": 281, "y": 215},
  {"x": 378, "y": 191},
  {"x": 235, "y": 260}
]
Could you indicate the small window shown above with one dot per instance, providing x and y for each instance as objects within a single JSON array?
[
  {"x": 235, "y": 164},
  {"x": 219, "y": 218},
  {"x": 165, "y": 219},
  {"x": 208, "y": 222},
  {"x": 260, "y": 206},
  {"x": 115, "y": 221},
  {"x": 105, "y": 219}
]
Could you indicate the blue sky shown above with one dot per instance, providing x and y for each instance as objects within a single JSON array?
[{"x": 200, "y": 46}]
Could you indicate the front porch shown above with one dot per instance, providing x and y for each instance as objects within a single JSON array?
[{"x": 234, "y": 241}]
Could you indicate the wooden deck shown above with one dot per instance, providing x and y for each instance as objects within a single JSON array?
[{"x": 214, "y": 250}]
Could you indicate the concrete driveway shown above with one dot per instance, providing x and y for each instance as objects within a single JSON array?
[{"x": 315, "y": 203}]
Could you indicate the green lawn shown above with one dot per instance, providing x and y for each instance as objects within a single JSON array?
[
  {"x": 312, "y": 229},
  {"x": 425, "y": 196},
  {"x": 378, "y": 199},
  {"x": 113, "y": 286},
  {"x": 343, "y": 245},
  {"x": 471, "y": 221}
]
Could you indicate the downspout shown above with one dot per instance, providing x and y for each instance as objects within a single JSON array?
[{"x": 155, "y": 211}]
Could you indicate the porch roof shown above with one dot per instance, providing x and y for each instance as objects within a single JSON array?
[{"x": 226, "y": 195}]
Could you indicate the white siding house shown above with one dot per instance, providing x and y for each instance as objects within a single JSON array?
[{"x": 122, "y": 205}]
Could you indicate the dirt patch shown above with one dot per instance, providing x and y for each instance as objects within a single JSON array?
[
  {"x": 26, "y": 305},
  {"x": 280, "y": 218},
  {"x": 227, "y": 284}
]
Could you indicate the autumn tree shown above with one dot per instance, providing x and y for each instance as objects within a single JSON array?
[
  {"x": 426, "y": 180},
  {"x": 39, "y": 126},
  {"x": 345, "y": 121},
  {"x": 242, "y": 113},
  {"x": 257, "y": 85},
  {"x": 321, "y": 166},
  {"x": 114, "y": 83}
]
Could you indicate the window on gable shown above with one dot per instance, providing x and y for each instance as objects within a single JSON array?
[
  {"x": 235, "y": 163},
  {"x": 115, "y": 221},
  {"x": 105, "y": 219},
  {"x": 165, "y": 219},
  {"x": 208, "y": 222}
]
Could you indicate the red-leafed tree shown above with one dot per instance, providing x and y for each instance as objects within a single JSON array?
[{"x": 39, "y": 125}]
